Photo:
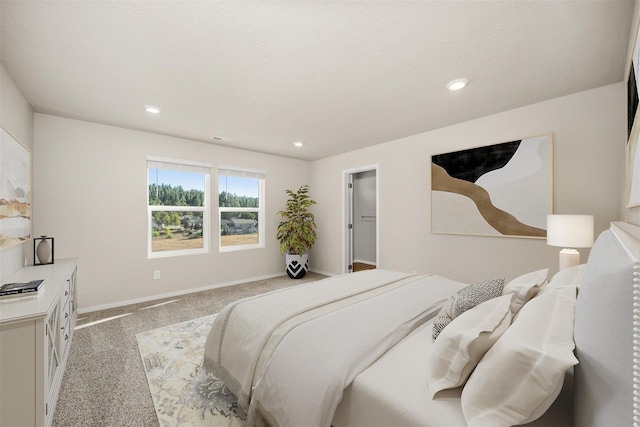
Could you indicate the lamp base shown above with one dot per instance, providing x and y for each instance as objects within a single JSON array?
[{"x": 569, "y": 258}]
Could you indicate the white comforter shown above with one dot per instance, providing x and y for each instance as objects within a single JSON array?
[{"x": 289, "y": 354}]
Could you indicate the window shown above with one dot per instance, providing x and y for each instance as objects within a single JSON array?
[
  {"x": 241, "y": 201},
  {"x": 177, "y": 207}
]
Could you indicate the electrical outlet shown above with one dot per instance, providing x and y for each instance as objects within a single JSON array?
[{"x": 156, "y": 274}]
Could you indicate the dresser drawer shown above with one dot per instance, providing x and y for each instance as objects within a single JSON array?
[
  {"x": 65, "y": 317},
  {"x": 65, "y": 336}
]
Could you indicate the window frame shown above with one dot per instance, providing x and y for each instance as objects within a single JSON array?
[
  {"x": 259, "y": 175},
  {"x": 187, "y": 166}
]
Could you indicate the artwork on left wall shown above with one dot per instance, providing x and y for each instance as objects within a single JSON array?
[
  {"x": 503, "y": 189},
  {"x": 633, "y": 123},
  {"x": 15, "y": 191}
]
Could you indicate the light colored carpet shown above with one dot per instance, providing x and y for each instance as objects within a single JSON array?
[
  {"x": 183, "y": 393},
  {"x": 104, "y": 383}
]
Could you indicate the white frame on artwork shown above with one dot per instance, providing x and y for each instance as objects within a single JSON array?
[
  {"x": 633, "y": 169},
  {"x": 15, "y": 175},
  {"x": 458, "y": 225}
]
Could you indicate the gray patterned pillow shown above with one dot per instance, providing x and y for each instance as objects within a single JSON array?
[{"x": 465, "y": 299}]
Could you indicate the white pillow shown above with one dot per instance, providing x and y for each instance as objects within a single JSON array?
[
  {"x": 522, "y": 374},
  {"x": 461, "y": 345},
  {"x": 524, "y": 288},
  {"x": 568, "y": 277}
]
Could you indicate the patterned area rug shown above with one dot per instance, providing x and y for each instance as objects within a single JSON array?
[{"x": 183, "y": 393}]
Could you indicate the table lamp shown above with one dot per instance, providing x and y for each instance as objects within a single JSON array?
[{"x": 568, "y": 232}]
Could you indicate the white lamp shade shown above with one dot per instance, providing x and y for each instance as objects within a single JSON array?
[{"x": 570, "y": 231}]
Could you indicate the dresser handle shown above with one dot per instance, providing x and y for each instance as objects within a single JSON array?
[
  {"x": 66, "y": 337},
  {"x": 66, "y": 293},
  {"x": 66, "y": 315}
]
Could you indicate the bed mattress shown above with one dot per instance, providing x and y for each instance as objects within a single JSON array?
[{"x": 394, "y": 392}]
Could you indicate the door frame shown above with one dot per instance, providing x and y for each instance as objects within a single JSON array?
[{"x": 347, "y": 211}]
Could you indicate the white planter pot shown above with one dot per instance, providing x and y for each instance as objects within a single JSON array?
[{"x": 297, "y": 265}]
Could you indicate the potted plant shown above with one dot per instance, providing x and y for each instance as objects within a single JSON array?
[{"x": 297, "y": 232}]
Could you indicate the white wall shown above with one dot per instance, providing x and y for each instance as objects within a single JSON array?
[
  {"x": 16, "y": 117},
  {"x": 588, "y": 128},
  {"x": 91, "y": 197},
  {"x": 88, "y": 177}
]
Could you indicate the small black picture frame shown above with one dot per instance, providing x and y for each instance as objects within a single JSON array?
[{"x": 43, "y": 248}]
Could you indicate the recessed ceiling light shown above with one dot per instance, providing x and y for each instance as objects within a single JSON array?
[
  {"x": 298, "y": 143},
  {"x": 151, "y": 109},
  {"x": 218, "y": 138},
  {"x": 457, "y": 84}
]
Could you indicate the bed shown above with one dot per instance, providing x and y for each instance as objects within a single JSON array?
[{"x": 357, "y": 350}]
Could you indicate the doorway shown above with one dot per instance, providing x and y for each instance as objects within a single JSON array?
[{"x": 361, "y": 219}]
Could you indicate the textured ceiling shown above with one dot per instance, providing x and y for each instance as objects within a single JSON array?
[{"x": 336, "y": 75}]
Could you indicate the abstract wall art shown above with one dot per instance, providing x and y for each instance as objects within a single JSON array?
[
  {"x": 502, "y": 189},
  {"x": 632, "y": 99},
  {"x": 633, "y": 96},
  {"x": 633, "y": 125},
  {"x": 15, "y": 191}
]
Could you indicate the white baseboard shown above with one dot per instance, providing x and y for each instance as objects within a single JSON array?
[
  {"x": 173, "y": 294},
  {"x": 365, "y": 262}
]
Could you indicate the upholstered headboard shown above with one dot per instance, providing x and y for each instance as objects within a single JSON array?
[{"x": 605, "y": 325}]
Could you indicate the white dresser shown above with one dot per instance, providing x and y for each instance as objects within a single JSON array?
[{"x": 35, "y": 336}]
